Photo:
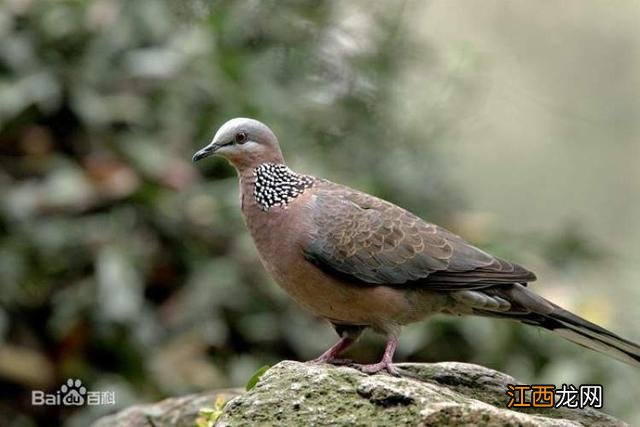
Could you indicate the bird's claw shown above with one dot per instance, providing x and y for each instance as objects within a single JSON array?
[
  {"x": 332, "y": 361},
  {"x": 374, "y": 368}
]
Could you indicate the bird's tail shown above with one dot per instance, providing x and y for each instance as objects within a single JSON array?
[{"x": 532, "y": 309}]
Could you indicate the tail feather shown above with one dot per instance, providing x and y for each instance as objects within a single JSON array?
[{"x": 532, "y": 309}]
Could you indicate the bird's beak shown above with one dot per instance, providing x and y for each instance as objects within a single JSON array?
[{"x": 207, "y": 151}]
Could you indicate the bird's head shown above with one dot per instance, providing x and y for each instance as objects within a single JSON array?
[{"x": 245, "y": 143}]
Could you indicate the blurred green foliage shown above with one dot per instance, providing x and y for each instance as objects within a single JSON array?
[{"x": 123, "y": 265}]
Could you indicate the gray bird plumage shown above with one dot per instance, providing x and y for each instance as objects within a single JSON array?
[{"x": 377, "y": 242}]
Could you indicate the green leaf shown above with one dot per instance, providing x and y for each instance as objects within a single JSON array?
[
  {"x": 206, "y": 412},
  {"x": 207, "y": 417},
  {"x": 255, "y": 377}
]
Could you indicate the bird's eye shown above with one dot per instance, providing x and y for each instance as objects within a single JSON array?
[{"x": 241, "y": 138}]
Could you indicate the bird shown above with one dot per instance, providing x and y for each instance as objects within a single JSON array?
[{"x": 361, "y": 262}]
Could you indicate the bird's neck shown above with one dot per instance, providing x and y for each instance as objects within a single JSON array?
[
  {"x": 271, "y": 185},
  {"x": 246, "y": 162}
]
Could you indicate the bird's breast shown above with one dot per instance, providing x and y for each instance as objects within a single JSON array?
[{"x": 280, "y": 235}]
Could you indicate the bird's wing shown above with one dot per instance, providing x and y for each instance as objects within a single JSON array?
[{"x": 364, "y": 239}]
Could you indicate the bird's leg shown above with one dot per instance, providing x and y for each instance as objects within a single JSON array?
[
  {"x": 331, "y": 355},
  {"x": 348, "y": 335},
  {"x": 387, "y": 360}
]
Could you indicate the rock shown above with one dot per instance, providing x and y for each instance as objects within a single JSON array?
[
  {"x": 306, "y": 394},
  {"x": 176, "y": 411}
]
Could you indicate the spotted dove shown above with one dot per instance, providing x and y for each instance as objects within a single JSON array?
[{"x": 362, "y": 262}]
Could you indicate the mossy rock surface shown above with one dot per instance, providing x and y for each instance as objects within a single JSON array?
[{"x": 439, "y": 394}]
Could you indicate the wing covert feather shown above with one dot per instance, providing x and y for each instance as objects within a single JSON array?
[{"x": 369, "y": 240}]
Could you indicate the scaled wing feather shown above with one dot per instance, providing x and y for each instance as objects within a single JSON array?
[{"x": 368, "y": 240}]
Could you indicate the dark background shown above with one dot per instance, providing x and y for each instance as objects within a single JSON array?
[{"x": 514, "y": 124}]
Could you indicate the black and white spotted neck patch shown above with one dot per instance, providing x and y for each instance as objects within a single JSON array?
[{"x": 277, "y": 185}]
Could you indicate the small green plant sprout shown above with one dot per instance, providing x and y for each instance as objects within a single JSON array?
[
  {"x": 207, "y": 417},
  {"x": 256, "y": 377}
]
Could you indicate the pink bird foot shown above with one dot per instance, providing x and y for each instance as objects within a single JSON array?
[
  {"x": 332, "y": 361},
  {"x": 374, "y": 368},
  {"x": 386, "y": 364},
  {"x": 331, "y": 356}
]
